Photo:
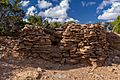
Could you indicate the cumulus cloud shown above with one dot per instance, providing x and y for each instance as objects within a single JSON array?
[
  {"x": 85, "y": 4},
  {"x": 31, "y": 11},
  {"x": 44, "y": 4},
  {"x": 112, "y": 12},
  {"x": 102, "y": 5},
  {"x": 55, "y": 20},
  {"x": 71, "y": 19},
  {"x": 61, "y": 20},
  {"x": 57, "y": 13},
  {"x": 25, "y": 3}
]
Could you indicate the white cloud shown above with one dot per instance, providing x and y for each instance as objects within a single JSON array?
[
  {"x": 90, "y": 3},
  {"x": 110, "y": 20},
  {"x": 57, "y": 13},
  {"x": 31, "y": 11},
  {"x": 85, "y": 4},
  {"x": 25, "y": 3},
  {"x": 44, "y": 4},
  {"x": 55, "y": 20},
  {"x": 61, "y": 20},
  {"x": 71, "y": 19},
  {"x": 112, "y": 12},
  {"x": 102, "y": 5}
]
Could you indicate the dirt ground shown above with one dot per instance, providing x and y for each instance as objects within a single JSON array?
[{"x": 37, "y": 69}]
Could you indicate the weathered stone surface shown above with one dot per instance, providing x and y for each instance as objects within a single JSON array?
[
  {"x": 76, "y": 44},
  {"x": 114, "y": 40},
  {"x": 34, "y": 42},
  {"x": 90, "y": 42}
]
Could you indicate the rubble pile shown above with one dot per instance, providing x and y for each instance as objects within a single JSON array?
[
  {"x": 33, "y": 43},
  {"x": 84, "y": 42}
]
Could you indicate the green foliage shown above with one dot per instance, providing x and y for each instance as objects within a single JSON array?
[
  {"x": 70, "y": 22},
  {"x": 4, "y": 2},
  {"x": 59, "y": 24},
  {"x": 116, "y": 25},
  {"x": 52, "y": 25},
  {"x": 55, "y": 25},
  {"x": 46, "y": 23},
  {"x": 39, "y": 21},
  {"x": 35, "y": 20},
  {"x": 32, "y": 19},
  {"x": 10, "y": 16}
]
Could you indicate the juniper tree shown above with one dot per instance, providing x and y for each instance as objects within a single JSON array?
[{"x": 11, "y": 15}]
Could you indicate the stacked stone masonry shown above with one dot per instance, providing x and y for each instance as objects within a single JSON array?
[
  {"x": 79, "y": 43},
  {"x": 6, "y": 45},
  {"x": 34, "y": 43},
  {"x": 84, "y": 42}
]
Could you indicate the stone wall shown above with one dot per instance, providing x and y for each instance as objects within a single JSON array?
[
  {"x": 78, "y": 43},
  {"x": 34, "y": 43},
  {"x": 114, "y": 40},
  {"x": 55, "y": 35},
  {"x": 84, "y": 42},
  {"x": 6, "y": 46}
]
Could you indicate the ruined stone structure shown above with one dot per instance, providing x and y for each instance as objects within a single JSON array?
[
  {"x": 114, "y": 40},
  {"x": 78, "y": 43},
  {"x": 86, "y": 42},
  {"x": 33, "y": 43},
  {"x": 6, "y": 45}
]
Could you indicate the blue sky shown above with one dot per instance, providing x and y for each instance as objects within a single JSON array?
[{"x": 82, "y": 11}]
